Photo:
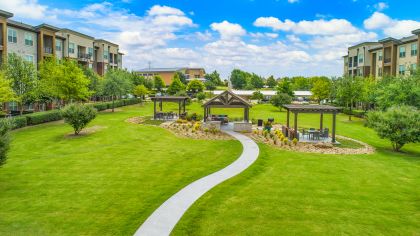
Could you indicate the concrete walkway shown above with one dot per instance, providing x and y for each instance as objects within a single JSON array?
[{"x": 164, "y": 219}]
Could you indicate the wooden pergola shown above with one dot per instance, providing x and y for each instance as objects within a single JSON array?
[
  {"x": 176, "y": 99},
  {"x": 227, "y": 99},
  {"x": 320, "y": 109}
]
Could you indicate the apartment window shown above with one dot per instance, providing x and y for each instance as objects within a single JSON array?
[
  {"x": 414, "y": 49},
  {"x": 380, "y": 56},
  {"x": 350, "y": 62},
  {"x": 29, "y": 58},
  {"x": 90, "y": 65},
  {"x": 13, "y": 106},
  {"x": 58, "y": 45},
  {"x": 402, "y": 51},
  {"x": 361, "y": 58},
  {"x": 380, "y": 71},
  {"x": 11, "y": 36},
  {"x": 106, "y": 54},
  {"x": 29, "y": 40},
  {"x": 71, "y": 48},
  {"x": 90, "y": 52},
  {"x": 359, "y": 72},
  {"x": 401, "y": 70}
]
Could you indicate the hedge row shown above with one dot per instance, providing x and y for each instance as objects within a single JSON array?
[
  {"x": 48, "y": 116},
  {"x": 357, "y": 113}
]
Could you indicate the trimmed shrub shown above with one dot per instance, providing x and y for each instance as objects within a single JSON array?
[
  {"x": 19, "y": 122},
  {"x": 78, "y": 116},
  {"x": 43, "y": 117},
  {"x": 5, "y": 126}
]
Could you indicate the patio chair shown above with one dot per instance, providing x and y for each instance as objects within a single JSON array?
[
  {"x": 325, "y": 133},
  {"x": 305, "y": 133},
  {"x": 316, "y": 135}
]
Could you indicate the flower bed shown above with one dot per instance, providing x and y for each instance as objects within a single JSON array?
[
  {"x": 194, "y": 130},
  {"x": 276, "y": 139}
]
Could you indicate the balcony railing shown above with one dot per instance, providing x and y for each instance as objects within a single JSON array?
[
  {"x": 82, "y": 55},
  {"x": 387, "y": 60},
  {"x": 48, "y": 50}
]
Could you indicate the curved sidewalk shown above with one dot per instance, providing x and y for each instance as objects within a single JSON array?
[{"x": 164, "y": 219}]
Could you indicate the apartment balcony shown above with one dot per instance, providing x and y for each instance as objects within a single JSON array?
[
  {"x": 48, "y": 50},
  {"x": 84, "y": 56},
  {"x": 387, "y": 60}
]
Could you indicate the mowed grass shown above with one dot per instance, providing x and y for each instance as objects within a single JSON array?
[
  {"x": 291, "y": 193},
  {"x": 104, "y": 183}
]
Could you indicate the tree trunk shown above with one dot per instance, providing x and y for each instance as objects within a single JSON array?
[{"x": 351, "y": 111}]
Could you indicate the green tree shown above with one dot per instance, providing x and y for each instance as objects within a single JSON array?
[
  {"x": 94, "y": 81},
  {"x": 140, "y": 91},
  {"x": 349, "y": 91},
  {"x": 6, "y": 92},
  {"x": 399, "y": 124},
  {"x": 238, "y": 79},
  {"x": 214, "y": 77},
  {"x": 398, "y": 91},
  {"x": 5, "y": 127},
  {"x": 176, "y": 87},
  {"x": 181, "y": 76},
  {"x": 158, "y": 83},
  {"x": 201, "y": 96},
  {"x": 280, "y": 99},
  {"x": 256, "y": 81},
  {"x": 64, "y": 80},
  {"x": 195, "y": 86},
  {"x": 257, "y": 95},
  {"x": 22, "y": 75},
  {"x": 271, "y": 82},
  {"x": 210, "y": 85},
  {"x": 301, "y": 83},
  {"x": 284, "y": 86},
  {"x": 321, "y": 89},
  {"x": 114, "y": 85},
  {"x": 78, "y": 116}
]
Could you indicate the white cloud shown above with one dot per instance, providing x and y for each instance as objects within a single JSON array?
[
  {"x": 390, "y": 27},
  {"x": 315, "y": 27},
  {"x": 380, "y": 6},
  {"x": 164, "y": 10},
  {"x": 228, "y": 30},
  {"x": 260, "y": 35},
  {"x": 292, "y": 1},
  {"x": 30, "y": 9}
]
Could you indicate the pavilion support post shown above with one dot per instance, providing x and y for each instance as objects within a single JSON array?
[
  {"x": 154, "y": 109},
  {"x": 179, "y": 108},
  {"x": 321, "y": 121},
  {"x": 160, "y": 105},
  {"x": 288, "y": 122},
  {"x": 246, "y": 114},
  {"x": 295, "y": 126},
  {"x": 333, "y": 127},
  {"x": 205, "y": 114},
  {"x": 183, "y": 105}
]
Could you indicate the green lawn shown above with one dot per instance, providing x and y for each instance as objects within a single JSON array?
[
  {"x": 106, "y": 183},
  {"x": 109, "y": 182},
  {"x": 289, "y": 193}
]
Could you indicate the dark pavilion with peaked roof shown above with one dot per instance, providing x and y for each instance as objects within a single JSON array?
[
  {"x": 181, "y": 100},
  {"x": 227, "y": 99},
  {"x": 320, "y": 109}
]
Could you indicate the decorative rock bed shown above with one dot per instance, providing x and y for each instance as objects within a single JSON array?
[
  {"x": 275, "y": 139},
  {"x": 194, "y": 130}
]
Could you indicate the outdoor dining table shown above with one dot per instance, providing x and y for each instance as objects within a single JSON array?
[{"x": 314, "y": 134}]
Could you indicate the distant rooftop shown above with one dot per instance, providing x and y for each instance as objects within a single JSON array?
[{"x": 161, "y": 69}]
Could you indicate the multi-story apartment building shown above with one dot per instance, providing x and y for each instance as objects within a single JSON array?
[
  {"x": 167, "y": 74},
  {"x": 388, "y": 56},
  {"x": 35, "y": 43}
]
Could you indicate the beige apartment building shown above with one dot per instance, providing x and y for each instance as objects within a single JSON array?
[
  {"x": 35, "y": 43},
  {"x": 167, "y": 74},
  {"x": 388, "y": 56}
]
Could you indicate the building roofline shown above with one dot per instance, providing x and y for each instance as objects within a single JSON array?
[
  {"x": 21, "y": 25},
  {"x": 6, "y": 14},
  {"x": 389, "y": 39},
  {"x": 360, "y": 44},
  {"x": 416, "y": 32},
  {"x": 107, "y": 42},
  {"x": 77, "y": 33},
  {"x": 48, "y": 27}
]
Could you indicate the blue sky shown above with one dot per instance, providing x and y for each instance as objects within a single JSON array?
[{"x": 279, "y": 37}]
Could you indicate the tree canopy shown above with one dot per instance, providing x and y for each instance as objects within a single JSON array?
[{"x": 176, "y": 86}]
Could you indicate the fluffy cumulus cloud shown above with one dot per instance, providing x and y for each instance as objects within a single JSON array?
[
  {"x": 28, "y": 8},
  {"x": 380, "y": 6},
  {"x": 228, "y": 30},
  {"x": 390, "y": 27}
]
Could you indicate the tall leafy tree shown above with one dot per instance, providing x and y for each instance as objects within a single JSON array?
[
  {"x": 301, "y": 83},
  {"x": 210, "y": 85},
  {"x": 140, "y": 91},
  {"x": 181, "y": 76},
  {"x": 349, "y": 91},
  {"x": 284, "y": 86},
  {"x": 321, "y": 89},
  {"x": 271, "y": 82},
  {"x": 115, "y": 84},
  {"x": 280, "y": 99},
  {"x": 256, "y": 81},
  {"x": 398, "y": 91},
  {"x": 22, "y": 75},
  {"x": 195, "y": 86},
  {"x": 94, "y": 81},
  {"x": 158, "y": 83},
  {"x": 176, "y": 87},
  {"x": 214, "y": 77},
  {"x": 238, "y": 79},
  {"x": 6, "y": 92}
]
